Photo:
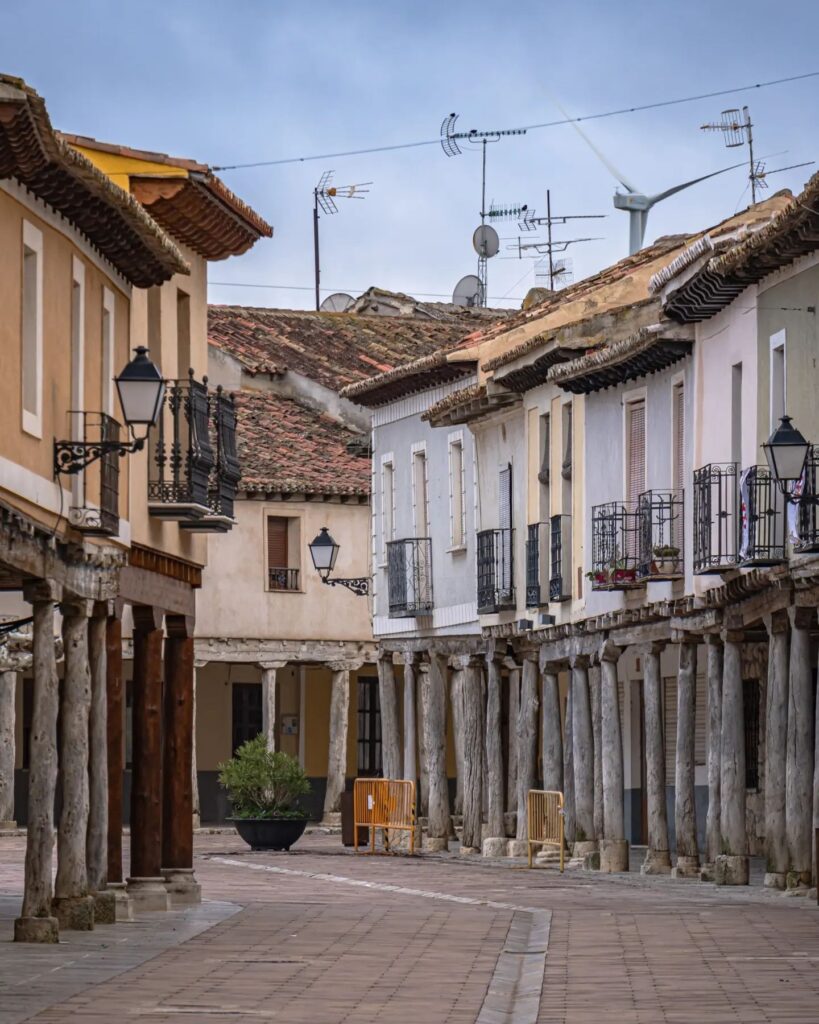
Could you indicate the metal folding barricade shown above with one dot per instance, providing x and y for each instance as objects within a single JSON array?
[
  {"x": 544, "y": 812},
  {"x": 388, "y": 804}
]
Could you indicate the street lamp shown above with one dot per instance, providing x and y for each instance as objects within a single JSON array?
[
  {"x": 324, "y": 551},
  {"x": 141, "y": 389},
  {"x": 787, "y": 451}
]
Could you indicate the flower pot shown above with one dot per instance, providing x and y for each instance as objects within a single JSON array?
[{"x": 270, "y": 833}]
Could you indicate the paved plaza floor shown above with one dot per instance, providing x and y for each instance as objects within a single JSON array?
[{"x": 321, "y": 936}]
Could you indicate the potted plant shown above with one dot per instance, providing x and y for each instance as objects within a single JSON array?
[
  {"x": 622, "y": 573},
  {"x": 598, "y": 577},
  {"x": 264, "y": 787},
  {"x": 667, "y": 560}
]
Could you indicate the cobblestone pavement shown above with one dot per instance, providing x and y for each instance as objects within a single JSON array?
[{"x": 322, "y": 936}]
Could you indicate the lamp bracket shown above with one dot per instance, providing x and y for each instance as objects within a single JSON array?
[
  {"x": 359, "y": 585},
  {"x": 71, "y": 457}
]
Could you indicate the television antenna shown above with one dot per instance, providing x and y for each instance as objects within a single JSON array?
[
  {"x": 558, "y": 272},
  {"x": 450, "y": 140},
  {"x": 467, "y": 291},
  {"x": 761, "y": 174},
  {"x": 324, "y": 196},
  {"x": 737, "y": 130},
  {"x": 338, "y": 302}
]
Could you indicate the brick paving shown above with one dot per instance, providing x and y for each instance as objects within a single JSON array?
[{"x": 321, "y": 936}]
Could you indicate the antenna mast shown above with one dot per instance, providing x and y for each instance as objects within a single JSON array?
[
  {"x": 324, "y": 196},
  {"x": 737, "y": 130}
]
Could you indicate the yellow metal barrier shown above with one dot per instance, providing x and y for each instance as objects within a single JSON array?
[
  {"x": 544, "y": 811},
  {"x": 388, "y": 804}
]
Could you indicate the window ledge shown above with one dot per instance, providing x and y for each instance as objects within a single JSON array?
[{"x": 456, "y": 549}]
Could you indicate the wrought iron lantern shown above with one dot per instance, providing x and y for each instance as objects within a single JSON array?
[
  {"x": 324, "y": 552},
  {"x": 141, "y": 389},
  {"x": 786, "y": 451}
]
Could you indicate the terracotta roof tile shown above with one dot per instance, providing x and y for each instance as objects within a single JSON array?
[{"x": 288, "y": 448}]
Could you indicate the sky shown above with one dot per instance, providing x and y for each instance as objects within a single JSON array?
[{"x": 241, "y": 81}]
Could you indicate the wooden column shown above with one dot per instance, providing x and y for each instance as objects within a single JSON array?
[
  {"x": 614, "y": 847},
  {"x": 146, "y": 886},
  {"x": 494, "y": 842},
  {"x": 657, "y": 860},
  {"x": 410, "y": 729},
  {"x": 527, "y": 746},
  {"x": 456, "y": 684},
  {"x": 569, "y": 819},
  {"x": 197, "y": 808},
  {"x": 177, "y": 791},
  {"x": 36, "y": 923},
  {"x": 732, "y": 863},
  {"x": 551, "y": 730},
  {"x": 390, "y": 741},
  {"x": 8, "y": 693},
  {"x": 115, "y": 742},
  {"x": 513, "y": 683},
  {"x": 337, "y": 750},
  {"x": 799, "y": 768},
  {"x": 594, "y": 703},
  {"x": 269, "y": 670},
  {"x": 776, "y": 748},
  {"x": 472, "y": 724},
  {"x": 583, "y": 757},
  {"x": 433, "y": 695},
  {"x": 685, "y": 816},
  {"x": 713, "y": 673},
  {"x": 423, "y": 778},
  {"x": 97, "y": 840}
]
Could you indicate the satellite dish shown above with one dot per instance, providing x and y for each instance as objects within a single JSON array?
[
  {"x": 338, "y": 302},
  {"x": 485, "y": 241},
  {"x": 467, "y": 291}
]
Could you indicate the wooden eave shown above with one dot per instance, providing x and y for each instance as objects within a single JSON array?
[
  {"x": 536, "y": 371},
  {"x": 472, "y": 408}
]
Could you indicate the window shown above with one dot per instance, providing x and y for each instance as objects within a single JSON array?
[
  {"x": 32, "y": 330},
  {"x": 77, "y": 368},
  {"x": 545, "y": 452},
  {"x": 368, "y": 759},
  {"x": 635, "y": 450},
  {"x": 566, "y": 468},
  {"x": 387, "y": 506},
  {"x": 778, "y": 385},
  {"x": 419, "y": 493},
  {"x": 282, "y": 552},
  {"x": 750, "y": 708},
  {"x": 678, "y": 459},
  {"x": 107, "y": 364},
  {"x": 183, "y": 335},
  {"x": 457, "y": 498},
  {"x": 503, "y": 554},
  {"x": 247, "y": 712},
  {"x": 736, "y": 413}
]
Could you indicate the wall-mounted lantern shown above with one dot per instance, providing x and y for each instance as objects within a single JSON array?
[
  {"x": 141, "y": 388},
  {"x": 787, "y": 452},
  {"x": 324, "y": 551}
]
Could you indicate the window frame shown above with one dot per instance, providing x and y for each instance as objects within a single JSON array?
[
  {"x": 456, "y": 544},
  {"x": 418, "y": 452},
  {"x": 387, "y": 469},
  {"x": 32, "y": 420},
  {"x": 107, "y": 351}
]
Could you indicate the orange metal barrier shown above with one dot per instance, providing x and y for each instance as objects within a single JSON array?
[
  {"x": 544, "y": 811},
  {"x": 388, "y": 804}
]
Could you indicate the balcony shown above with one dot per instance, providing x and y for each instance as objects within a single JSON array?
[
  {"x": 98, "y": 484},
  {"x": 225, "y": 474},
  {"x": 409, "y": 577},
  {"x": 808, "y": 514},
  {"x": 662, "y": 533},
  {"x": 535, "y": 544},
  {"x": 560, "y": 574},
  {"x": 715, "y": 518},
  {"x": 761, "y": 519},
  {"x": 615, "y": 546},
  {"x": 282, "y": 579},
  {"x": 496, "y": 587}
]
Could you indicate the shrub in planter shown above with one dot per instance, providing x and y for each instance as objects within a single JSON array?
[{"x": 264, "y": 787}]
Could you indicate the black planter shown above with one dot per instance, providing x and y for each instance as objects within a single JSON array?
[{"x": 270, "y": 833}]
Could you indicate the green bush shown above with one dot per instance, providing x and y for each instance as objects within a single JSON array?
[{"x": 262, "y": 783}]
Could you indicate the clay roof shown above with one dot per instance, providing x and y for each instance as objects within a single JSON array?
[
  {"x": 712, "y": 278},
  {"x": 334, "y": 349},
  {"x": 198, "y": 208},
  {"x": 383, "y": 302},
  {"x": 111, "y": 219},
  {"x": 287, "y": 448}
]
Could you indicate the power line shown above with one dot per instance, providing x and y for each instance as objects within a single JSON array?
[
  {"x": 309, "y": 288},
  {"x": 526, "y": 128}
]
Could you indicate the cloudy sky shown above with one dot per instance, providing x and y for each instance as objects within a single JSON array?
[{"x": 239, "y": 81}]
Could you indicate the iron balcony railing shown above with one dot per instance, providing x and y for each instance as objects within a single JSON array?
[
  {"x": 496, "y": 587},
  {"x": 662, "y": 534},
  {"x": 98, "y": 484},
  {"x": 808, "y": 512},
  {"x": 409, "y": 577},
  {"x": 536, "y": 561},
  {"x": 716, "y": 523},
  {"x": 560, "y": 571},
  {"x": 615, "y": 546},
  {"x": 762, "y": 518},
  {"x": 282, "y": 579}
]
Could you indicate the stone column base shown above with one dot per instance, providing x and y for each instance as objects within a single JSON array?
[
  {"x": 493, "y": 847},
  {"x": 36, "y": 929},
  {"x": 330, "y": 819},
  {"x": 517, "y": 848},
  {"x": 435, "y": 844},
  {"x": 657, "y": 862},
  {"x": 148, "y": 894},
  {"x": 182, "y": 886},
  {"x": 707, "y": 872},
  {"x": 731, "y": 870},
  {"x": 614, "y": 855},
  {"x": 124, "y": 905},
  {"x": 583, "y": 848},
  {"x": 775, "y": 880},
  {"x": 105, "y": 907},
  {"x": 74, "y": 913},
  {"x": 686, "y": 867}
]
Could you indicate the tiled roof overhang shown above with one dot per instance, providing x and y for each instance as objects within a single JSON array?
[
  {"x": 201, "y": 212},
  {"x": 429, "y": 372},
  {"x": 469, "y": 404},
  {"x": 649, "y": 350},
  {"x": 111, "y": 219},
  {"x": 523, "y": 378}
]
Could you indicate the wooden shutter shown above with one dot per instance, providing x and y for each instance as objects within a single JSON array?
[
  {"x": 505, "y": 497},
  {"x": 277, "y": 542},
  {"x": 419, "y": 468},
  {"x": 678, "y": 480},
  {"x": 636, "y": 453}
]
